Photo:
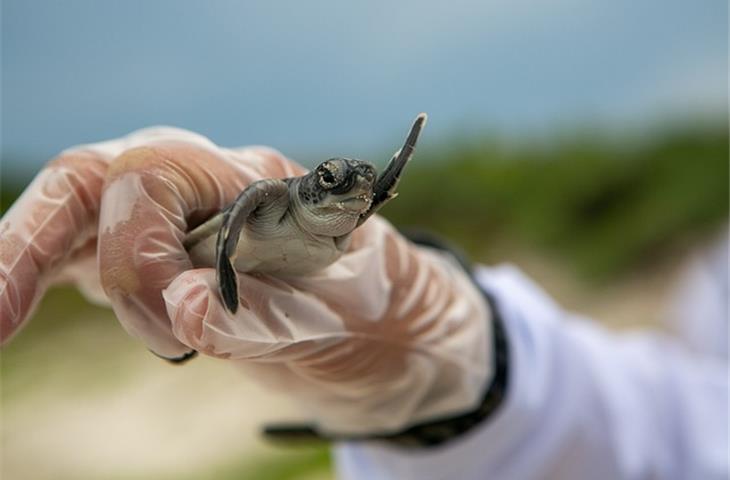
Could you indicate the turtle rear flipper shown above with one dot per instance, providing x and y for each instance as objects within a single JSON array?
[
  {"x": 256, "y": 195},
  {"x": 387, "y": 182}
]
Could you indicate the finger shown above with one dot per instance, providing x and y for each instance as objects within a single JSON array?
[
  {"x": 45, "y": 235},
  {"x": 153, "y": 195},
  {"x": 273, "y": 323},
  {"x": 55, "y": 216}
]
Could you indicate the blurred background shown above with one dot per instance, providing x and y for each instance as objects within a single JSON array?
[{"x": 585, "y": 141}]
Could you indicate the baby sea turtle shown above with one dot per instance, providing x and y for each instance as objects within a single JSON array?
[{"x": 297, "y": 225}]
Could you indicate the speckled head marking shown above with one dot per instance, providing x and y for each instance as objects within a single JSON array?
[
  {"x": 334, "y": 195},
  {"x": 338, "y": 181}
]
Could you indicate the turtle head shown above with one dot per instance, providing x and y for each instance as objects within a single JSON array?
[{"x": 335, "y": 194}]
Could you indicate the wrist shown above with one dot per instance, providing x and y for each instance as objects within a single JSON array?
[
  {"x": 454, "y": 401},
  {"x": 431, "y": 432}
]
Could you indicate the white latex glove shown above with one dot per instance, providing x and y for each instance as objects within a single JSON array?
[
  {"x": 389, "y": 335},
  {"x": 110, "y": 217}
]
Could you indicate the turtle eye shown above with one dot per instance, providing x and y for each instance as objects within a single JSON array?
[{"x": 326, "y": 177}]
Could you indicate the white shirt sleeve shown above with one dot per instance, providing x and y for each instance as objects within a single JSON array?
[
  {"x": 699, "y": 310},
  {"x": 581, "y": 402}
]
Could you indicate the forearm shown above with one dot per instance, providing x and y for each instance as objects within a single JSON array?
[{"x": 581, "y": 403}]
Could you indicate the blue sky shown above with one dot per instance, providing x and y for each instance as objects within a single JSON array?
[{"x": 325, "y": 77}]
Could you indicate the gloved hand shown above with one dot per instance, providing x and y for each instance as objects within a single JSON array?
[{"x": 389, "y": 335}]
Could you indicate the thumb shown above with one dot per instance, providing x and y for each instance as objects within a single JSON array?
[{"x": 274, "y": 322}]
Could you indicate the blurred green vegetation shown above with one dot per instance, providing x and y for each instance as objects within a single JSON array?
[{"x": 603, "y": 206}]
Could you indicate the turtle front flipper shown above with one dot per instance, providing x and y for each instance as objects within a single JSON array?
[
  {"x": 258, "y": 194},
  {"x": 387, "y": 182}
]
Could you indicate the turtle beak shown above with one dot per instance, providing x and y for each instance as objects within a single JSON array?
[
  {"x": 364, "y": 183},
  {"x": 360, "y": 195},
  {"x": 365, "y": 177}
]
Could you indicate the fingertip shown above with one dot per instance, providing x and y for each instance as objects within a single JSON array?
[{"x": 187, "y": 300}]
